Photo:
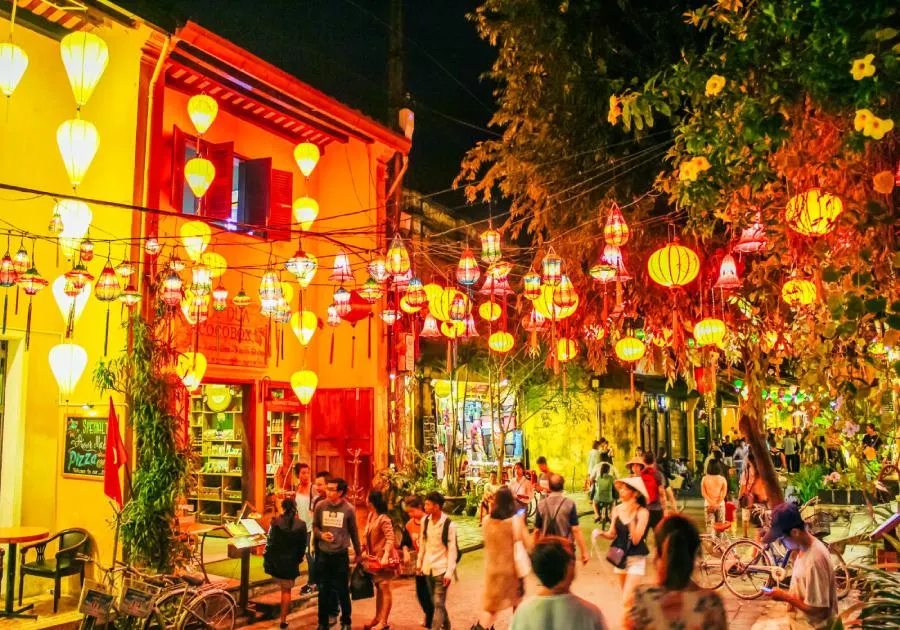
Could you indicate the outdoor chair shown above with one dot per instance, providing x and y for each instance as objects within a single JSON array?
[{"x": 67, "y": 561}]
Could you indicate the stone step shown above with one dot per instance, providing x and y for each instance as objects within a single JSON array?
[{"x": 268, "y": 605}]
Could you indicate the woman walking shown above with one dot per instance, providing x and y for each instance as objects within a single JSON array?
[
  {"x": 382, "y": 559},
  {"x": 521, "y": 487},
  {"x": 284, "y": 552},
  {"x": 675, "y": 602},
  {"x": 604, "y": 493},
  {"x": 503, "y": 588},
  {"x": 714, "y": 488},
  {"x": 628, "y": 531}
]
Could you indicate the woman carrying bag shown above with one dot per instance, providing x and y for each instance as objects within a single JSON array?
[
  {"x": 285, "y": 547},
  {"x": 628, "y": 531},
  {"x": 381, "y": 558}
]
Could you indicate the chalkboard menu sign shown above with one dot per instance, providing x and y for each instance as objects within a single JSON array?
[{"x": 84, "y": 448}]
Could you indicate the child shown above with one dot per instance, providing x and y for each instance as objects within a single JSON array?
[{"x": 604, "y": 493}]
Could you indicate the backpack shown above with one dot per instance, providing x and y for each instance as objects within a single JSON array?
[
  {"x": 445, "y": 537},
  {"x": 551, "y": 526},
  {"x": 652, "y": 487}
]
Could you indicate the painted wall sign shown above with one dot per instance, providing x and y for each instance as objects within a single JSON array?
[
  {"x": 219, "y": 335},
  {"x": 84, "y": 447}
]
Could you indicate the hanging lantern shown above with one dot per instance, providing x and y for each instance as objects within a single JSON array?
[
  {"x": 124, "y": 269},
  {"x": 408, "y": 308},
  {"x": 241, "y": 299},
  {"x": 195, "y": 308},
  {"x": 334, "y": 318},
  {"x": 709, "y": 332},
  {"x": 201, "y": 280},
  {"x": 593, "y": 332},
  {"x": 442, "y": 305},
  {"x": 564, "y": 293},
  {"x": 459, "y": 308},
  {"x": 616, "y": 231},
  {"x": 130, "y": 296},
  {"x": 79, "y": 276},
  {"x": 13, "y": 62},
  {"x": 76, "y": 219},
  {"x": 56, "y": 225},
  {"x": 70, "y": 300},
  {"x": 498, "y": 287},
  {"x": 453, "y": 329},
  {"x": 306, "y": 209},
  {"x": 107, "y": 288},
  {"x": 176, "y": 264},
  {"x": 467, "y": 272},
  {"x": 304, "y": 384},
  {"x": 8, "y": 278},
  {"x": 397, "y": 262},
  {"x": 199, "y": 173},
  {"x": 342, "y": 301},
  {"x": 673, "y": 265},
  {"x": 551, "y": 266},
  {"x": 31, "y": 283},
  {"x": 566, "y": 349},
  {"x": 798, "y": 292},
  {"x": 342, "y": 272},
  {"x": 490, "y": 246},
  {"x": 471, "y": 331},
  {"x": 531, "y": 283},
  {"x": 401, "y": 281},
  {"x": 603, "y": 272},
  {"x": 389, "y": 316},
  {"x": 195, "y": 237},
  {"x": 630, "y": 349},
  {"x": 813, "y": 213},
  {"x": 303, "y": 266},
  {"x": 545, "y": 306},
  {"x": 415, "y": 293},
  {"x": 499, "y": 270},
  {"x": 21, "y": 261},
  {"x": 728, "y": 275},
  {"x": 433, "y": 291},
  {"x": 304, "y": 325},
  {"x": 490, "y": 311},
  {"x": 220, "y": 298},
  {"x": 152, "y": 246},
  {"x": 377, "y": 270},
  {"x": 191, "y": 367},
  {"x": 67, "y": 362},
  {"x": 269, "y": 293},
  {"x": 306, "y": 155},
  {"x": 534, "y": 322},
  {"x": 430, "y": 327},
  {"x": 172, "y": 284},
  {"x": 501, "y": 342},
  {"x": 86, "y": 250},
  {"x": 202, "y": 110},
  {"x": 371, "y": 291},
  {"x": 78, "y": 141},
  {"x": 85, "y": 56},
  {"x": 753, "y": 239}
]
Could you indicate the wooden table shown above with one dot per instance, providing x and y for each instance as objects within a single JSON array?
[{"x": 13, "y": 536}]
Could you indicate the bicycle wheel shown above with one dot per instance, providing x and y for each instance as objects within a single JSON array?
[
  {"x": 213, "y": 608},
  {"x": 708, "y": 565},
  {"x": 166, "y": 609},
  {"x": 746, "y": 568},
  {"x": 842, "y": 581}
]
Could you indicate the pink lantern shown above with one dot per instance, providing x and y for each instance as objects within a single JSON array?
[
  {"x": 342, "y": 271},
  {"x": 430, "y": 327},
  {"x": 753, "y": 239},
  {"x": 728, "y": 275}
]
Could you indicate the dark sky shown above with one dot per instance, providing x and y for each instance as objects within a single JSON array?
[{"x": 341, "y": 48}]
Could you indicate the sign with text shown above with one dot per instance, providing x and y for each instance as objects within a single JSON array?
[
  {"x": 225, "y": 340},
  {"x": 84, "y": 447}
]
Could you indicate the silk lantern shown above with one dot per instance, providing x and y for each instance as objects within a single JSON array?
[
  {"x": 13, "y": 62},
  {"x": 78, "y": 141},
  {"x": 490, "y": 311},
  {"x": 551, "y": 266},
  {"x": 397, "y": 262},
  {"x": 67, "y": 362},
  {"x": 673, "y": 265},
  {"x": 303, "y": 266},
  {"x": 306, "y": 155},
  {"x": 490, "y": 246},
  {"x": 545, "y": 306},
  {"x": 408, "y": 308},
  {"x": 813, "y": 213},
  {"x": 76, "y": 219},
  {"x": 433, "y": 291},
  {"x": 371, "y": 291},
  {"x": 564, "y": 293},
  {"x": 430, "y": 327},
  {"x": 341, "y": 272},
  {"x": 616, "y": 231},
  {"x": 453, "y": 329},
  {"x": 630, "y": 349},
  {"x": 531, "y": 286},
  {"x": 191, "y": 367},
  {"x": 220, "y": 298},
  {"x": 172, "y": 285},
  {"x": 415, "y": 293},
  {"x": 195, "y": 237},
  {"x": 467, "y": 271},
  {"x": 85, "y": 56},
  {"x": 216, "y": 263},
  {"x": 709, "y": 332},
  {"x": 342, "y": 301},
  {"x": 459, "y": 308},
  {"x": 728, "y": 275},
  {"x": 753, "y": 239},
  {"x": 202, "y": 110},
  {"x": 377, "y": 269},
  {"x": 471, "y": 331},
  {"x": 71, "y": 301},
  {"x": 8, "y": 278},
  {"x": 390, "y": 316},
  {"x": 199, "y": 173},
  {"x": 501, "y": 342},
  {"x": 130, "y": 296},
  {"x": 304, "y": 384},
  {"x": 201, "y": 280},
  {"x": 566, "y": 349},
  {"x": 305, "y": 210},
  {"x": 304, "y": 325},
  {"x": 798, "y": 292}
]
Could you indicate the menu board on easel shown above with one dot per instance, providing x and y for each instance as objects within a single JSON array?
[{"x": 84, "y": 447}]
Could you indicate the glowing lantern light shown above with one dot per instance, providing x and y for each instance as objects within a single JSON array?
[
  {"x": 616, "y": 231},
  {"x": 377, "y": 270},
  {"x": 13, "y": 62},
  {"x": 534, "y": 322},
  {"x": 709, "y": 332},
  {"x": 67, "y": 362},
  {"x": 78, "y": 141},
  {"x": 389, "y": 316},
  {"x": 176, "y": 263},
  {"x": 220, "y": 298},
  {"x": 408, "y": 308},
  {"x": 8, "y": 278},
  {"x": 304, "y": 384},
  {"x": 603, "y": 272},
  {"x": 303, "y": 266},
  {"x": 490, "y": 246},
  {"x": 124, "y": 269},
  {"x": 551, "y": 266},
  {"x": 415, "y": 293},
  {"x": 76, "y": 219},
  {"x": 306, "y": 155},
  {"x": 216, "y": 263},
  {"x": 467, "y": 272},
  {"x": 67, "y": 298},
  {"x": 531, "y": 283},
  {"x": 241, "y": 299},
  {"x": 191, "y": 368},
  {"x": 545, "y": 306},
  {"x": 341, "y": 272},
  {"x": 334, "y": 318},
  {"x": 813, "y": 213},
  {"x": 728, "y": 275},
  {"x": 402, "y": 280},
  {"x": 195, "y": 238},
  {"x": 501, "y": 342},
  {"x": 753, "y": 239},
  {"x": 85, "y": 57},
  {"x": 490, "y": 311},
  {"x": 202, "y": 110},
  {"x": 201, "y": 280},
  {"x": 171, "y": 288},
  {"x": 371, "y": 291},
  {"x": 86, "y": 250},
  {"x": 304, "y": 326},
  {"x": 79, "y": 276},
  {"x": 564, "y": 293},
  {"x": 130, "y": 297},
  {"x": 433, "y": 291},
  {"x": 798, "y": 292},
  {"x": 630, "y": 349},
  {"x": 453, "y": 329},
  {"x": 495, "y": 286},
  {"x": 397, "y": 262},
  {"x": 152, "y": 246},
  {"x": 56, "y": 224},
  {"x": 342, "y": 301},
  {"x": 442, "y": 306},
  {"x": 566, "y": 349},
  {"x": 459, "y": 308},
  {"x": 306, "y": 209},
  {"x": 199, "y": 173},
  {"x": 430, "y": 327},
  {"x": 499, "y": 270},
  {"x": 282, "y": 314},
  {"x": 269, "y": 292},
  {"x": 673, "y": 265}
]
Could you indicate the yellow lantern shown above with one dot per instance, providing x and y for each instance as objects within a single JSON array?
[
  {"x": 202, "y": 110},
  {"x": 709, "y": 332},
  {"x": 630, "y": 349},
  {"x": 13, "y": 62},
  {"x": 191, "y": 368},
  {"x": 440, "y": 307},
  {"x": 78, "y": 141},
  {"x": 304, "y": 384},
  {"x": 67, "y": 362},
  {"x": 85, "y": 56},
  {"x": 501, "y": 342},
  {"x": 673, "y": 265},
  {"x": 304, "y": 326},
  {"x": 566, "y": 349},
  {"x": 433, "y": 291},
  {"x": 76, "y": 219},
  {"x": 408, "y": 308},
  {"x": 199, "y": 173},
  {"x": 490, "y": 311},
  {"x": 545, "y": 306},
  {"x": 287, "y": 291},
  {"x": 813, "y": 213},
  {"x": 453, "y": 329},
  {"x": 195, "y": 238},
  {"x": 306, "y": 154},
  {"x": 798, "y": 292},
  {"x": 306, "y": 209},
  {"x": 216, "y": 263},
  {"x": 442, "y": 388},
  {"x": 397, "y": 262}
]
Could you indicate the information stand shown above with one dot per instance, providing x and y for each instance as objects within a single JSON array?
[{"x": 246, "y": 535}]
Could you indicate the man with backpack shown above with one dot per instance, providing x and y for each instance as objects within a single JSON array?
[
  {"x": 656, "y": 484},
  {"x": 558, "y": 516},
  {"x": 438, "y": 555}
]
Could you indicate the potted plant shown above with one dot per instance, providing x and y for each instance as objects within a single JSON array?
[{"x": 473, "y": 502}]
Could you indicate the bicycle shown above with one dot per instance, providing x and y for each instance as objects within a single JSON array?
[{"x": 707, "y": 573}]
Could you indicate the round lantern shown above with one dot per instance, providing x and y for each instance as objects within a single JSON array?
[
  {"x": 67, "y": 362},
  {"x": 490, "y": 311},
  {"x": 545, "y": 306},
  {"x": 603, "y": 272},
  {"x": 798, "y": 292},
  {"x": 241, "y": 299},
  {"x": 13, "y": 62},
  {"x": 630, "y": 349},
  {"x": 566, "y": 349},
  {"x": 709, "y": 332},
  {"x": 408, "y": 308},
  {"x": 453, "y": 329},
  {"x": 531, "y": 285},
  {"x": 306, "y": 209},
  {"x": 813, "y": 213},
  {"x": 564, "y": 293},
  {"x": 390, "y": 316},
  {"x": 84, "y": 56},
  {"x": 490, "y": 246},
  {"x": 303, "y": 266},
  {"x": 78, "y": 141},
  {"x": 195, "y": 238},
  {"x": 616, "y": 231},
  {"x": 306, "y": 155},
  {"x": 202, "y": 110},
  {"x": 501, "y": 342},
  {"x": 467, "y": 272},
  {"x": 673, "y": 265},
  {"x": 415, "y": 293},
  {"x": 199, "y": 173},
  {"x": 397, "y": 262},
  {"x": 304, "y": 384},
  {"x": 191, "y": 368},
  {"x": 551, "y": 266},
  {"x": 442, "y": 388},
  {"x": 304, "y": 326}
]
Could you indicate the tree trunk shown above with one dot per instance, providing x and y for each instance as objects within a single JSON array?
[{"x": 750, "y": 427}]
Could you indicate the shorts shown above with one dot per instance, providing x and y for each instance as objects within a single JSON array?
[
  {"x": 655, "y": 517},
  {"x": 284, "y": 584},
  {"x": 634, "y": 565}
]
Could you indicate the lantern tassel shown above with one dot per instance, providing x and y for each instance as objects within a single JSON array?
[
  {"x": 331, "y": 351},
  {"x": 70, "y": 320},
  {"x": 369, "y": 340},
  {"x": 277, "y": 347},
  {"x": 449, "y": 358},
  {"x": 106, "y": 333},
  {"x": 28, "y": 327},
  {"x": 16, "y": 311},
  {"x": 352, "y": 351},
  {"x": 5, "y": 306},
  {"x": 241, "y": 326},
  {"x": 269, "y": 340}
]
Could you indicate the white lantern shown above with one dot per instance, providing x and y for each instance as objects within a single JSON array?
[
  {"x": 76, "y": 219},
  {"x": 65, "y": 301},
  {"x": 85, "y": 57},
  {"x": 13, "y": 62},
  {"x": 78, "y": 141},
  {"x": 67, "y": 361}
]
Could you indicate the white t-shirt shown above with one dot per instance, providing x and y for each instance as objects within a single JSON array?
[
  {"x": 558, "y": 612},
  {"x": 812, "y": 580},
  {"x": 439, "y": 464}
]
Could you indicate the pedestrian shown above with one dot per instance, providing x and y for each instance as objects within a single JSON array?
[
  {"x": 304, "y": 496},
  {"x": 812, "y": 597},
  {"x": 382, "y": 559},
  {"x": 714, "y": 488},
  {"x": 728, "y": 449},
  {"x": 555, "y": 607},
  {"x": 628, "y": 531},
  {"x": 487, "y": 495},
  {"x": 544, "y": 477},
  {"x": 521, "y": 486},
  {"x": 503, "y": 588},
  {"x": 871, "y": 438},
  {"x": 604, "y": 492},
  {"x": 414, "y": 507},
  {"x": 558, "y": 516},
  {"x": 658, "y": 504},
  {"x": 821, "y": 452},
  {"x": 319, "y": 494},
  {"x": 740, "y": 456},
  {"x": 438, "y": 555},
  {"x": 606, "y": 449},
  {"x": 675, "y": 602},
  {"x": 635, "y": 465},
  {"x": 593, "y": 456},
  {"x": 440, "y": 463},
  {"x": 334, "y": 527},
  {"x": 284, "y": 552},
  {"x": 791, "y": 456}
]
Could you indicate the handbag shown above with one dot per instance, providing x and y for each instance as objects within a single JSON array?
[
  {"x": 361, "y": 584},
  {"x": 616, "y": 557}
]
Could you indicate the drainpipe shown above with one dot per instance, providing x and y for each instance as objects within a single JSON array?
[{"x": 398, "y": 179}]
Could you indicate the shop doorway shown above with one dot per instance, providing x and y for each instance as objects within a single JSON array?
[{"x": 341, "y": 424}]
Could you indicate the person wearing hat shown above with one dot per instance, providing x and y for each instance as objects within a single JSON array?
[
  {"x": 635, "y": 465},
  {"x": 813, "y": 594},
  {"x": 628, "y": 531}
]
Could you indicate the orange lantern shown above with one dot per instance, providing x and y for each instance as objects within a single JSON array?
[
  {"x": 709, "y": 332},
  {"x": 813, "y": 213},
  {"x": 630, "y": 349},
  {"x": 551, "y": 266},
  {"x": 673, "y": 265},
  {"x": 616, "y": 231},
  {"x": 430, "y": 327},
  {"x": 531, "y": 283},
  {"x": 501, "y": 342},
  {"x": 546, "y": 306},
  {"x": 397, "y": 262},
  {"x": 564, "y": 293},
  {"x": 415, "y": 293},
  {"x": 798, "y": 292},
  {"x": 459, "y": 308}
]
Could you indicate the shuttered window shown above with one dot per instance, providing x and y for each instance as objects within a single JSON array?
[{"x": 266, "y": 195}]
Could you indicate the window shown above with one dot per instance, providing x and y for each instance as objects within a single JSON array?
[{"x": 190, "y": 204}]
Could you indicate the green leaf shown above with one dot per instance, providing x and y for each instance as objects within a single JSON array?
[
  {"x": 862, "y": 279},
  {"x": 830, "y": 274},
  {"x": 885, "y": 34},
  {"x": 893, "y": 320},
  {"x": 876, "y": 305}
]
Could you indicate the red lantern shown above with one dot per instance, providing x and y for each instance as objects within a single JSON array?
[
  {"x": 753, "y": 239},
  {"x": 359, "y": 308},
  {"x": 728, "y": 275},
  {"x": 471, "y": 331},
  {"x": 430, "y": 327},
  {"x": 616, "y": 231},
  {"x": 171, "y": 288},
  {"x": 495, "y": 286}
]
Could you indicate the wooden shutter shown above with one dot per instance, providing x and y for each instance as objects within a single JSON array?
[
  {"x": 256, "y": 190},
  {"x": 177, "y": 193},
  {"x": 280, "y": 211},
  {"x": 217, "y": 201}
]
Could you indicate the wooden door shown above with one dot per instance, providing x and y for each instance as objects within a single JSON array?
[{"x": 342, "y": 422}]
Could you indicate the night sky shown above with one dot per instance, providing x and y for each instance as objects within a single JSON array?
[{"x": 341, "y": 48}]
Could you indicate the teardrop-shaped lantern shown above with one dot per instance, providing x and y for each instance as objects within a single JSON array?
[
  {"x": 56, "y": 225},
  {"x": 195, "y": 237},
  {"x": 199, "y": 173},
  {"x": 13, "y": 62},
  {"x": 459, "y": 308},
  {"x": 76, "y": 219},
  {"x": 78, "y": 141},
  {"x": 341, "y": 272},
  {"x": 728, "y": 275},
  {"x": 564, "y": 293},
  {"x": 304, "y": 384},
  {"x": 306, "y": 154},
  {"x": 397, "y": 262},
  {"x": 86, "y": 250},
  {"x": 304, "y": 325},
  {"x": 467, "y": 271},
  {"x": 66, "y": 295},
  {"x": 67, "y": 362},
  {"x": 107, "y": 288},
  {"x": 616, "y": 231},
  {"x": 85, "y": 56},
  {"x": 415, "y": 293},
  {"x": 305, "y": 209},
  {"x": 202, "y": 110},
  {"x": 378, "y": 270}
]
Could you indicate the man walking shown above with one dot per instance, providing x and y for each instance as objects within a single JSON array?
[
  {"x": 334, "y": 528},
  {"x": 658, "y": 504},
  {"x": 437, "y": 556},
  {"x": 558, "y": 516},
  {"x": 415, "y": 509},
  {"x": 303, "y": 497},
  {"x": 789, "y": 448},
  {"x": 544, "y": 477}
]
